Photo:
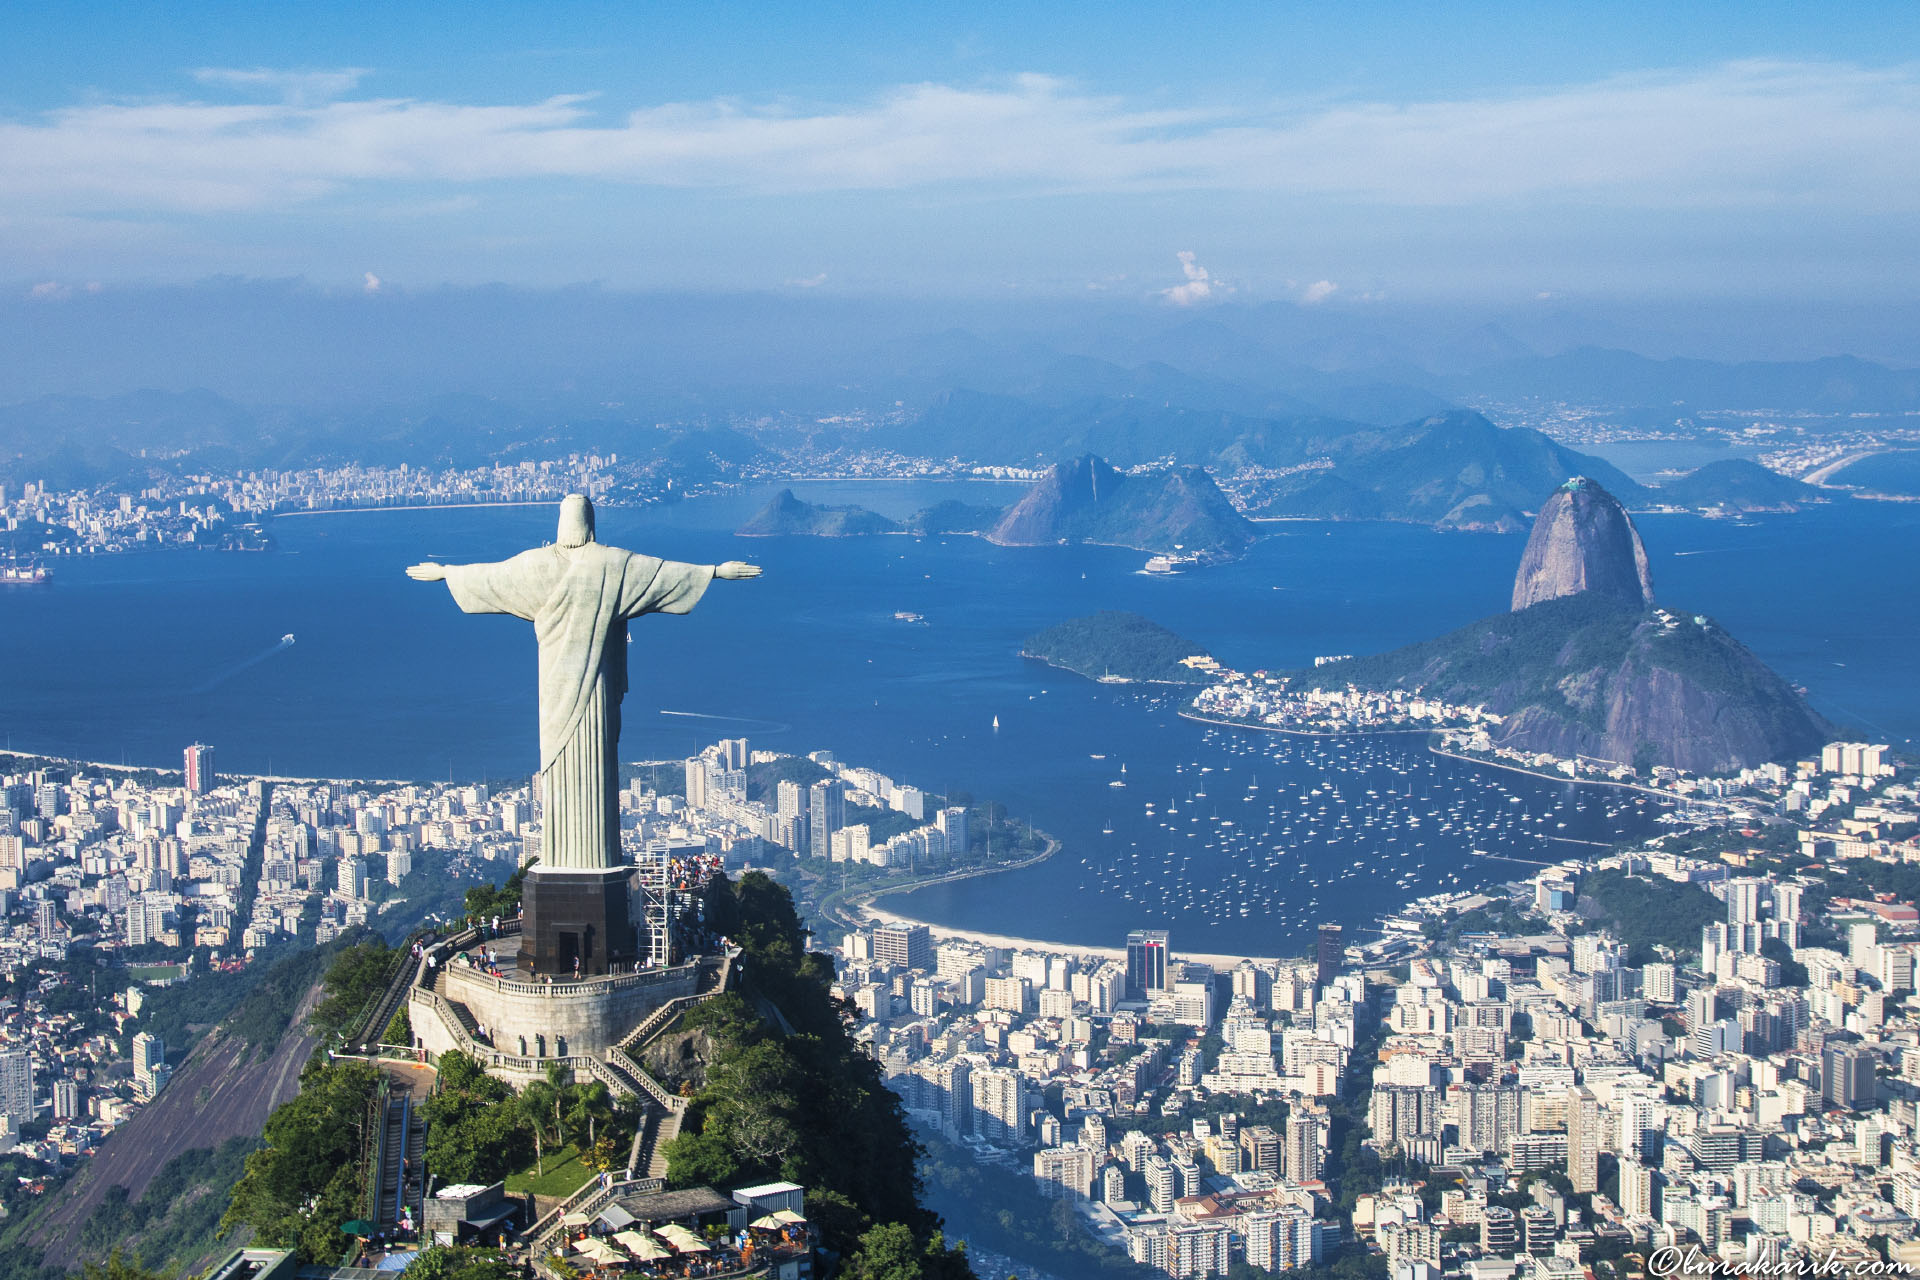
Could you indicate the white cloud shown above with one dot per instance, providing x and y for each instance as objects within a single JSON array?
[
  {"x": 48, "y": 291},
  {"x": 1200, "y": 285},
  {"x": 808, "y": 282},
  {"x": 1318, "y": 291},
  {"x": 1744, "y": 135},
  {"x": 371, "y": 284},
  {"x": 288, "y": 86}
]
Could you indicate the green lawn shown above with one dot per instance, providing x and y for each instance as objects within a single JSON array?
[{"x": 564, "y": 1176}]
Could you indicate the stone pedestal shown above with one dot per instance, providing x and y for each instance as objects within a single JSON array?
[
  {"x": 584, "y": 914},
  {"x": 532, "y": 1022}
]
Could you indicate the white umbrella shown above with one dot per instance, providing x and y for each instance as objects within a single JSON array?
[
  {"x": 639, "y": 1246},
  {"x": 772, "y": 1222},
  {"x": 680, "y": 1238},
  {"x": 789, "y": 1217},
  {"x": 577, "y": 1219},
  {"x": 598, "y": 1250}
]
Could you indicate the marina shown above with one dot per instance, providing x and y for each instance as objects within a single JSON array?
[{"x": 1240, "y": 841}]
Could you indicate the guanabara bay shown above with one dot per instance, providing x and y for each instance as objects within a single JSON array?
[{"x": 1050, "y": 642}]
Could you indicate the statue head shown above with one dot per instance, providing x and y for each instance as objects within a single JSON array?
[{"x": 576, "y": 521}]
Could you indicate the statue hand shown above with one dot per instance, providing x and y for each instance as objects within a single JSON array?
[
  {"x": 736, "y": 570},
  {"x": 428, "y": 572}
]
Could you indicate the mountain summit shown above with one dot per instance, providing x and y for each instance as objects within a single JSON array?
[
  {"x": 1584, "y": 665},
  {"x": 1582, "y": 540},
  {"x": 1086, "y": 500}
]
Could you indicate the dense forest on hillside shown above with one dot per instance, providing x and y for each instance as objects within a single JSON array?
[
  {"x": 1651, "y": 913},
  {"x": 803, "y": 1102},
  {"x": 1121, "y": 645}
]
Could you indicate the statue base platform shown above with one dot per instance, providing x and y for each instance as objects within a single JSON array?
[{"x": 583, "y": 916}]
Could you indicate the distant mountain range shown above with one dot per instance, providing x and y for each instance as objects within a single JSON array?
[
  {"x": 1586, "y": 665},
  {"x": 79, "y": 442},
  {"x": 1600, "y": 376},
  {"x": 1736, "y": 484},
  {"x": 1452, "y": 470},
  {"x": 1346, "y": 417},
  {"x": 1178, "y": 509}
]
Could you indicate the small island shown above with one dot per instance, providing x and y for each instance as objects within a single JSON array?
[
  {"x": 788, "y": 516},
  {"x": 1174, "y": 510},
  {"x": 1116, "y": 647}
]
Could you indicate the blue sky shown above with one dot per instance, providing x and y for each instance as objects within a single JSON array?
[{"x": 1333, "y": 155}]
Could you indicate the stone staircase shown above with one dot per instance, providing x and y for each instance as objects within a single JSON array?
[
  {"x": 620, "y": 1069},
  {"x": 666, "y": 1131},
  {"x": 468, "y": 1023},
  {"x": 665, "y": 1111},
  {"x": 715, "y": 976},
  {"x": 619, "y": 1083},
  {"x": 658, "y": 1127}
]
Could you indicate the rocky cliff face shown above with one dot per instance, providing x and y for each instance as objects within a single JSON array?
[
  {"x": 1590, "y": 675},
  {"x": 1065, "y": 492},
  {"x": 1088, "y": 501},
  {"x": 1582, "y": 540},
  {"x": 1685, "y": 694}
]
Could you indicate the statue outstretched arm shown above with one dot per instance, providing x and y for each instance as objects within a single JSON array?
[
  {"x": 732, "y": 570},
  {"x": 516, "y": 586}
]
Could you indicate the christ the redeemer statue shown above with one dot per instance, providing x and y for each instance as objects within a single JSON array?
[{"x": 580, "y": 595}]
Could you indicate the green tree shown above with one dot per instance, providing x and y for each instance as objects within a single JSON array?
[
  {"x": 809, "y": 1107},
  {"x": 305, "y": 1182},
  {"x": 539, "y": 1105},
  {"x": 355, "y": 978},
  {"x": 118, "y": 1267},
  {"x": 484, "y": 901},
  {"x": 891, "y": 1251},
  {"x": 475, "y": 1129},
  {"x": 887, "y": 1252},
  {"x": 838, "y": 1220},
  {"x": 590, "y": 1106},
  {"x": 449, "y": 1262},
  {"x": 603, "y": 1156}
]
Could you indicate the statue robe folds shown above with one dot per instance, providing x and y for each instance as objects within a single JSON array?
[{"x": 579, "y": 600}]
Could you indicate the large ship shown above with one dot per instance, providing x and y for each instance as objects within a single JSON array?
[{"x": 24, "y": 575}]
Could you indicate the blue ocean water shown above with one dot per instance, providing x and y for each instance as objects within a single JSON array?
[{"x": 129, "y": 658}]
